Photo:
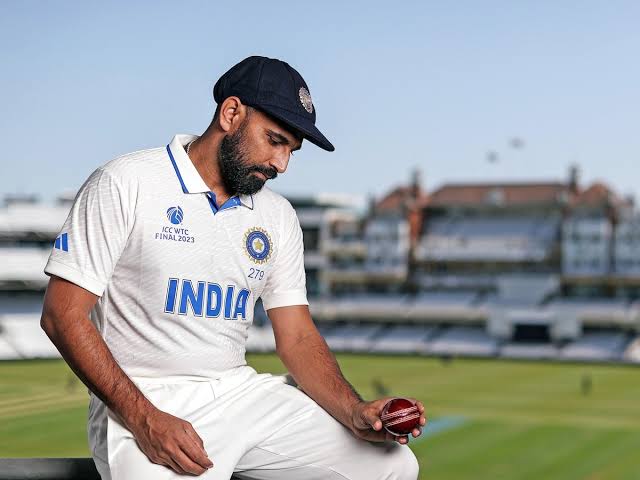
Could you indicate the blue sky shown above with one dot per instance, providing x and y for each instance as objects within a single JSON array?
[{"x": 397, "y": 85}]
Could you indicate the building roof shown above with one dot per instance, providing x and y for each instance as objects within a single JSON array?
[
  {"x": 501, "y": 194},
  {"x": 597, "y": 194},
  {"x": 401, "y": 197}
]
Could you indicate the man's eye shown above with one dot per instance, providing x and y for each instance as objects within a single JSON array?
[{"x": 272, "y": 141}]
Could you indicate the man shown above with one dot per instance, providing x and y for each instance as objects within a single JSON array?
[{"x": 167, "y": 250}]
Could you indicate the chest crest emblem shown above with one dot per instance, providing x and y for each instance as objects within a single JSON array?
[{"x": 258, "y": 245}]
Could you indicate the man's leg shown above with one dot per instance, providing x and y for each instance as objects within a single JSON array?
[
  {"x": 118, "y": 457},
  {"x": 306, "y": 442}
]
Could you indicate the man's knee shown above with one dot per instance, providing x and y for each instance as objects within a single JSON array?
[
  {"x": 406, "y": 464},
  {"x": 399, "y": 463}
]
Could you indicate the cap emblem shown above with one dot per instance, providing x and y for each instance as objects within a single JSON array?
[{"x": 305, "y": 99}]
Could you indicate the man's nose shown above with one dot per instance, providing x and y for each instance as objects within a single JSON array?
[{"x": 280, "y": 161}]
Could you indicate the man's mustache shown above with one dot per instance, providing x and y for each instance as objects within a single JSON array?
[{"x": 270, "y": 173}]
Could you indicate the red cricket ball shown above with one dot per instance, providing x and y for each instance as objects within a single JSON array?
[{"x": 400, "y": 416}]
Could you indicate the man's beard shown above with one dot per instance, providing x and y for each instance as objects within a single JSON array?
[{"x": 235, "y": 170}]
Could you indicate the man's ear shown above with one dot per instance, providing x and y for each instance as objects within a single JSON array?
[{"x": 232, "y": 113}]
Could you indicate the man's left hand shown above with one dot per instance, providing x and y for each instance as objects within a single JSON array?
[{"x": 366, "y": 423}]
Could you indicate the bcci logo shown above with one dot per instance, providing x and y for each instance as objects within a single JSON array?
[
  {"x": 258, "y": 244},
  {"x": 175, "y": 215},
  {"x": 305, "y": 99}
]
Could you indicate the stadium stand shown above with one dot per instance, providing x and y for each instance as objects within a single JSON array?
[
  {"x": 14, "y": 302},
  {"x": 597, "y": 346},
  {"x": 352, "y": 338},
  {"x": 468, "y": 341},
  {"x": 456, "y": 307},
  {"x": 370, "y": 307},
  {"x": 525, "y": 289},
  {"x": 586, "y": 246},
  {"x": 632, "y": 352},
  {"x": 7, "y": 352},
  {"x": 23, "y": 267},
  {"x": 443, "y": 298},
  {"x": 627, "y": 246},
  {"x": 402, "y": 339},
  {"x": 32, "y": 220},
  {"x": 487, "y": 238},
  {"x": 531, "y": 351},
  {"x": 436, "y": 306},
  {"x": 601, "y": 312},
  {"x": 454, "y": 254},
  {"x": 23, "y": 333},
  {"x": 261, "y": 339}
]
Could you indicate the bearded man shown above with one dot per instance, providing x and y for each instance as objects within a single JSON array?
[{"x": 150, "y": 299}]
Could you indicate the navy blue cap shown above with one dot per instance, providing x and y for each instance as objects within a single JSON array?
[{"x": 276, "y": 88}]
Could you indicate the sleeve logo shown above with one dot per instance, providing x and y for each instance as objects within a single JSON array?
[
  {"x": 175, "y": 215},
  {"x": 62, "y": 242},
  {"x": 258, "y": 245}
]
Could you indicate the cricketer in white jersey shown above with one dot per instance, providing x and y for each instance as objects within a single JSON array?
[{"x": 152, "y": 293}]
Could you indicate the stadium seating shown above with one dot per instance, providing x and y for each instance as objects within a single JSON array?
[
  {"x": 434, "y": 306},
  {"x": 23, "y": 267},
  {"x": 597, "y": 346},
  {"x": 7, "y": 352},
  {"x": 261, "y": 339},
  {"x": 406, "y": 333},
  {"x": 371, "y": 307},
  {"x": 487, "y": 238},
  {"x": 530, "y": 351},
  {"x": 632, "y": 352},
  {"x": 23, "y": 333},
  {"x": 600, "y": 312},
  {"x": 32, "y": 220},
  {"x": 352, "y": 338},
  {"x": 468, "y": 341},
  {"x": 402, "y": 339}
]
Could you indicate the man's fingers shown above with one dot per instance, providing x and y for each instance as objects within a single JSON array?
[
  {"x": 194, "y": 435},
  {"x": 170, "y": 463},
  {"x": 373, "y": 436},
  {"x": 196, "y": 454},
  {"x": 372, "y": 419},
  {"x": 187, "y": 465}
]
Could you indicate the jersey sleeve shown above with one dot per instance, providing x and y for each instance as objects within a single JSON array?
[
  {"x": 94, "y": 234},
  {"x": 286, "y": 283}
]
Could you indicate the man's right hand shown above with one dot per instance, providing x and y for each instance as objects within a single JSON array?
[
  {"x": 171, "y": 441},
  {"x": 165, "y": 439}
]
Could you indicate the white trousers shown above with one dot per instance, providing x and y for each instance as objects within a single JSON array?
[{"x": 254, "y": 426}]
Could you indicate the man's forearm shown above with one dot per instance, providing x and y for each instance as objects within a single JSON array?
[
  {"x": 87, "y": 354},
  {"x": 316, "y": 370}
]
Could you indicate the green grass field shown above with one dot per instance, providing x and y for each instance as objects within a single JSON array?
[{"x": 491, "y": 419}]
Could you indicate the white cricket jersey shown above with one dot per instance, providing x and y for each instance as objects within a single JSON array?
[{"x": 177, "y": 274}]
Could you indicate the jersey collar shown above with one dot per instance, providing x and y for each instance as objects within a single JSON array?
[{"x": 190, "y": 179}]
